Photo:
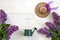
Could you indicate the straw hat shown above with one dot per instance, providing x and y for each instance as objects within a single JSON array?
[{"x": 42, "y": 9}]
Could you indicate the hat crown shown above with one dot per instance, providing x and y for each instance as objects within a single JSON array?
[{"x": 43, "y": 9}]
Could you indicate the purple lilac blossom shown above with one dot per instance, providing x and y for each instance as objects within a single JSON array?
[
  {"x": 3, "y": 16},
  {"x": 56, "y": 17},
  {"x": 57, "y": 23},
  {"x": 10, "y": 30},
  {"x": 51, "y": 26},
  {"x": 44, "y": 31}
]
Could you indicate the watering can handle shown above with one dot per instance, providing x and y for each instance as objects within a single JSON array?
[{"x": 35, "y": 28}]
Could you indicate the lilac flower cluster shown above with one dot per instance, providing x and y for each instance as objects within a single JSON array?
[
  {"x": 3, "y": 16},
  {"x": 10, "y": 29},
  {"x": 56, "y": 18},
  {"x": 52, "y": 27},
  {"x": 44, "y": 31}
]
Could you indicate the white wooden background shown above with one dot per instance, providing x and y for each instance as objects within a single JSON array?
[{"x": 22, "y": 13}]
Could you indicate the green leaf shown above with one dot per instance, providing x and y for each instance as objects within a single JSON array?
[
  {"x": 5, "y": 25},
  {"x": 1, "y": 35},
  {"x": 4, "y": 34},
  {"x": 52, "y": 32},
  {"x": 58, "y": 30},
  {"x": 0, "y": 26},
  {"x": 55, "y": 38},
  {"x": 3, "y": 39}
]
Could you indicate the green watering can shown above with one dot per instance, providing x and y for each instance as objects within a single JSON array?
[{"x": 29, "y": 32}]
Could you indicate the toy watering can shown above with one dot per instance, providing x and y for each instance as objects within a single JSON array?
[{"x": 29, "y": 32}]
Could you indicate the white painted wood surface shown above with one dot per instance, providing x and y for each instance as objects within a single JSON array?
[{"x": 22, "y": 13}]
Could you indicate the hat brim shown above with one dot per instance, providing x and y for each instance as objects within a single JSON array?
[{"x": 40, "y": 14}]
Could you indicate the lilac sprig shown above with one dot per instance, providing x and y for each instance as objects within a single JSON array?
[
  {"x": 44, "y": 31},
  {"x": 3, "y": 16},
  {"x": 51, "y": 26},
  {"x": 10, "y": 30},
  {"x": 53, "y": 29},
  {"x": 6, "y": 29},
  {"x": 56, "y": 18}
]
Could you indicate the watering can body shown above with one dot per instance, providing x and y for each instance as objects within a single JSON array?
[{"x": 29, "y": 32}]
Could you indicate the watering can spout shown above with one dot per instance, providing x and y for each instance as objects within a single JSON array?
[{"x": 34, "y": 30}]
